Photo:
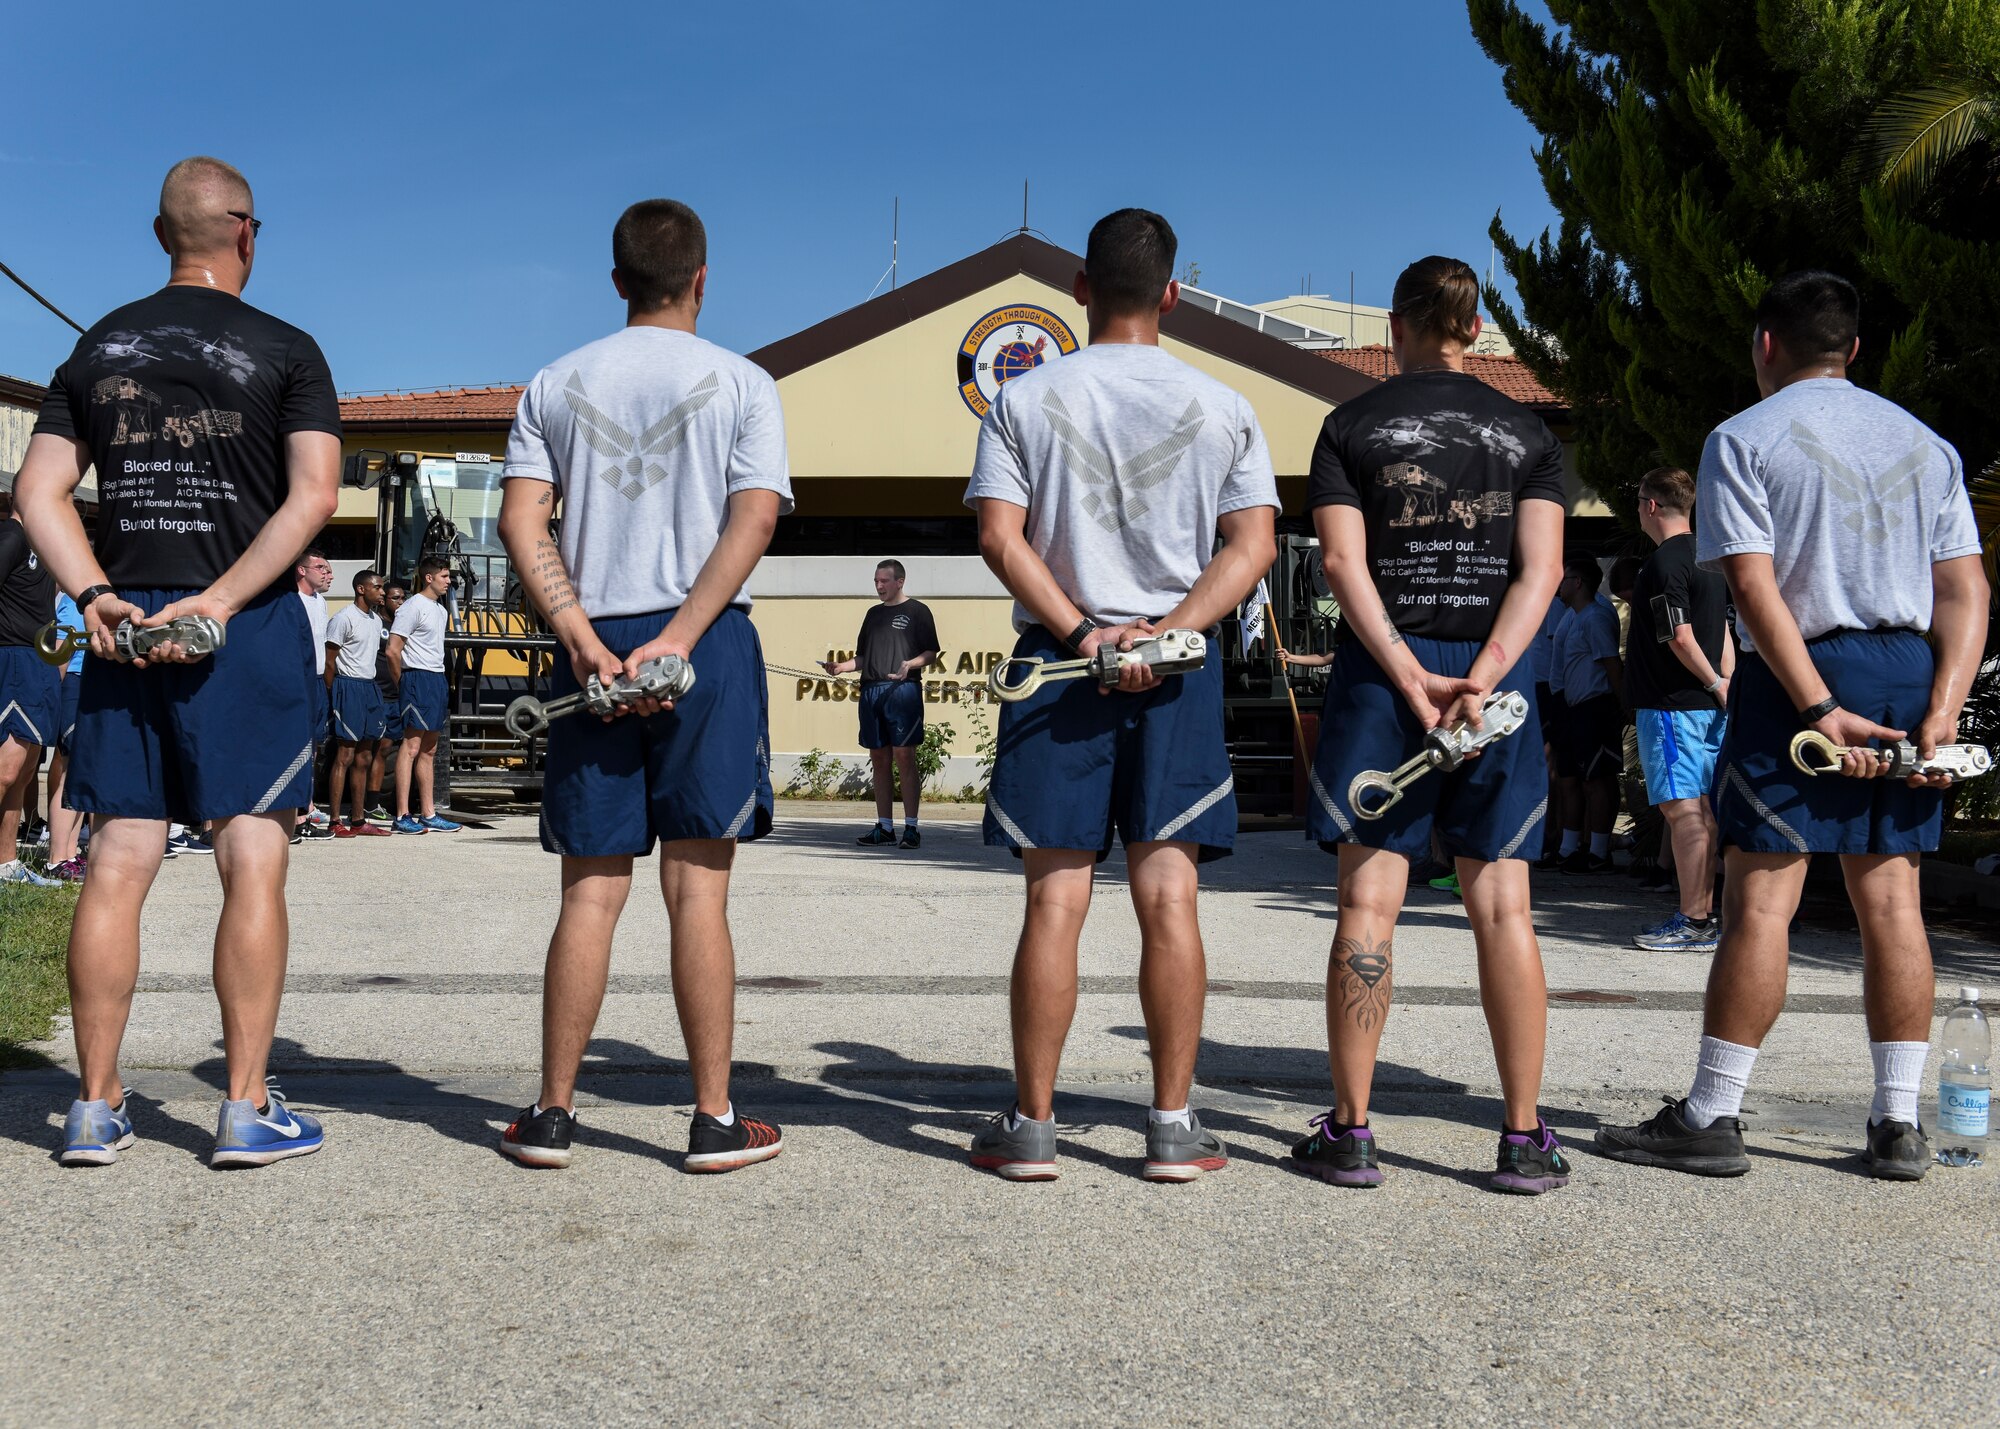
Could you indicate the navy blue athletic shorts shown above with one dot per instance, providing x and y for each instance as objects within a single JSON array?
[
  {"x": 358, "y": 715},
  {"x": 1589, "y": 739},
  {"x": 892, "y": 713},
  {"x": 420, "y": 704},
  {"x": 1765, "y": 805},
  {"x": 230, "y": 734},
  {"x": 66, "y": 721},
  {"x": 1075, "y": 766},
  {"x": 30, "y": 696},
  {"x": 322, "y": 708},
  {"x": 392, "y": 716},
  {"x": 1488, "y": 808},
  {"x": 701, "y": 770}
]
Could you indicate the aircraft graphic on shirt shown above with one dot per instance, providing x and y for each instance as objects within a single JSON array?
[
  {"x": 1872, "y": 509},
  {"x": 1123, "y": 504},
  {"x": 638, "y": 463}
]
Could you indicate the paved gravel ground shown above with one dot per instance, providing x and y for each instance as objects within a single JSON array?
[{"x": 409, "y": 1273}]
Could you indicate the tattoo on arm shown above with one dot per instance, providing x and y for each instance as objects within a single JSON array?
[
  {"x": 1395, "y": 635},
  {"x": 1361, "y": 974},
  {"x": 548, "y": 569}
]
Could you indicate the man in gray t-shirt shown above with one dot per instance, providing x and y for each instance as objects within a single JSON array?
[
  {"x": 665, "y": 457},
  {"x": 1101, "y": 482},
  {"x": 1842, "y": 525}
]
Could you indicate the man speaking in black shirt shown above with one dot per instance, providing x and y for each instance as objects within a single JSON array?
[
  {"x": 216, "y": 436},
  {"x": 1678, "y": 659},
  {"x": 898, "y": 638}
]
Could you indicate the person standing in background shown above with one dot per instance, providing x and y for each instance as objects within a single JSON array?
[
  {"x": 416, "y": 655},
  {"x": 394, "y": 593},
  {"x": 314, "y": 575},
  {"x": 30, "y": 690},
  {"x": 66, "y": 863},
  {"x": 1589, "y": 744},
  {"x": 353, "y": 639},
  {"x": 898, "y": 638}
]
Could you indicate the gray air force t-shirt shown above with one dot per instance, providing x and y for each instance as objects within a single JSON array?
[
  {"x": 357, "y": 635},
  {"x": 421, "y": 623},
  {"x": 1852, "y": 498},
  {"x": 646, "y": 434},
  {"x": 1124, "y": 456}
]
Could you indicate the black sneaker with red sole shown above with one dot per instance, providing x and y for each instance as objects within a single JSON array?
[
  {"x": 539, "y": 1139},
  {"x": 713, "y": 1147}
]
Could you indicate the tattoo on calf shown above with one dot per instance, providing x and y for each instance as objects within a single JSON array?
[{"x": 1362, "y": 976}]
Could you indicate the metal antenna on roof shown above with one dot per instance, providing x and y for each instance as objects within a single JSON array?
[
  {"x": 1024, "y": 205},
  {"x": 1350, "y": 307},
  {"x": 895, "y": 238}
]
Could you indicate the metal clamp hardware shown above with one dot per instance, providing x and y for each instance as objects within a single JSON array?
[
  {"x": 1960, "y": 761},
  {"x": 667, "y": 678},
  {"x": 1444, "y": 749},
  {"x": 196, "y": 634},
  {"x": 1171, "y": 652}
]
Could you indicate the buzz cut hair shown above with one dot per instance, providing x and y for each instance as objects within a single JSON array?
[
  {"x": 893, "y": 566},
  {"x": 1129, "y": 261},
  {"x": 658, "y": 246},
  {"x": 195, "y": 199},
  {"x": 362, "y": 577},
  {"x": 1813, "y": 314},
  {"x": 1585, "y": 569}
]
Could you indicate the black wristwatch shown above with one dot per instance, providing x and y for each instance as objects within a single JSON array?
[
  {"x": 1074, "y": 640},
  {"x": 93, "y": 595},
  {"x": 1819, "y": 711}
]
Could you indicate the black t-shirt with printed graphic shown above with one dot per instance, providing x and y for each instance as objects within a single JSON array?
[
  {"x": 1438, "y": 464},
  {"x": 185, "y": 399},
  {"x": 27, "y": 590},
  {"x": 891, "y": 634}
]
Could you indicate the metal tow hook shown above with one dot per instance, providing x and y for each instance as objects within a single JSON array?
[
  {"x": 1444, "y": 749},
  {"x": 1960, "y": 761},
  {"x": 196, "y": 634},
  {"x": 667, "y": 678},
  {"x": 1171, "y": 652}
]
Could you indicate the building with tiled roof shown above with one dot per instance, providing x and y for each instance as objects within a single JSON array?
[
  {"x": 425, "y": 411},
  {"x": 1508, "y": 375}
]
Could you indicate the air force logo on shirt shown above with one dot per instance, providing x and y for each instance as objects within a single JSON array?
[
  {"x": 638, "y": 462},
  {"x": 1122, "y": 504}
]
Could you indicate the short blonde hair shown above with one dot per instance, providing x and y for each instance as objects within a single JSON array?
[
  {"x": 1671, "y": 487},
  {"x": 195, "y": 199}
]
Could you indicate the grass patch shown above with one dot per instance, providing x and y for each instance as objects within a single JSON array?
[{"x": 34, "y": 942}]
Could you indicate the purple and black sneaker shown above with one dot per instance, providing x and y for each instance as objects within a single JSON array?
[
  {"x": 1530, "y": 1162},
  {"x": 1338, "y": 1155}
]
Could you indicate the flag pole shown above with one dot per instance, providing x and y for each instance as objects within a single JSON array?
[{"x": 1285, "y": 674}]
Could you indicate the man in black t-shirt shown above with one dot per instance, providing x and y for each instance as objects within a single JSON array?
[
  {"x": 216, "y": 436},
  {"x": 30, "y": 689},
  {"x": 898, "y": 638},
  {"x": 1439, "y": 508},
  {"x": 1678, "y": 661}
]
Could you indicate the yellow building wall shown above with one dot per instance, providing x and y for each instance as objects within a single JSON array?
[
  {"x": 810, "y": 711},
  {"x": 890, "y": 407}
]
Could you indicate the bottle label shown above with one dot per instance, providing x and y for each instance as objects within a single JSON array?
[{"x": 1963, "y": 1111}]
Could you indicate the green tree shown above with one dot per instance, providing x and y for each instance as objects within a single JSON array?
[{"x": 1698, "y": 149}]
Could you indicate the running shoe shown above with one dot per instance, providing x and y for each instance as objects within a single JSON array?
[
  {"x": 1896, "y": 1151},
  {"x": 1548, "y": 863},
  {"x": 343, "y": 830},
  {"x": 245, "y": 1136},
  {"x": 1584, "y": 861},
  {"x": 310, "y": 832},
  {"x": 713, "y": 1147},
  {"x": 1680, "y": 934},
  {"x": 191, "y": 843},
  {"x": 34, "y": 832},
  {"x": 1023, "y": 1152},
  {"x": 539, "y": 1138},
  {"x": 1182, "y": 1153},
  {"x": 439, "y": 826},
  {"x": 70, "y": 870},
  {"x": 371, "y": 831},
  {"x": 911, "y": 838},
  {"x": 1667, "y": 1140},
  {"x": 1338, "y": 1155},
  {"x": 15, "y": 871},
  {"x": 94, "y": 1134},
  {"x": 1448, "y": 884},
  {"x": 1530, "y": 1164},
  {"x": 378, "y": 814},
  {"x": 406, "y": 825},
  {"x": 318, "y": 816},
  {"x": 876, "y": 836}
]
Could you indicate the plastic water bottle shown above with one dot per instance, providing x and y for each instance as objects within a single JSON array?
[{"x": 1965, "y": 1084}]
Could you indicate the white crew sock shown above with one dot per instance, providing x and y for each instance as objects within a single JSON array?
[
  {"x": 1600, "y": 845},
  {"x": 1015, "y": 1120},
  {"x": 728, "y": 1117},
  {"x": 1720, "y": 1079},
  {"x": 887, "y": 826},
  {"x": 909, "y": 821},
  {"x": 1572, "y": 841},
  {"x": 1899, "y": 1071},
  {"x": 1156, "y": 1117}
]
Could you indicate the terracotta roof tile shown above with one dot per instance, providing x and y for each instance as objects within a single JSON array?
[
  {"x": 454, "y": 407},
  {"x": 1507, "y": 375}
]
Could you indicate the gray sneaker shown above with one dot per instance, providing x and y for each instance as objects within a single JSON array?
[
  {"x": 1896, "y": 1151},
  {"x": 1182, "y": 1153},
  {"x": 1025, "y": 1153}
]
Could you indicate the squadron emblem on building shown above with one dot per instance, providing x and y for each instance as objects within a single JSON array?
[{"x": 1004, "y": 344}]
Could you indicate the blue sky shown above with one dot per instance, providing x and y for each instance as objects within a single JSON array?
[{"x": 439, "y": 182}]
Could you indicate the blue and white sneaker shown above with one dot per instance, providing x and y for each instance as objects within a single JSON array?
[
  {"x": 190, "y": 843},
  {"x": 245, "y": 1136},
  {"x": 440, "y": 826},
  {"x": 94, "y": 1134},
  {"x": 406, "y": 825},
  {"x": 15, "y": 871},
  {"x": 1680, "y": 934}
]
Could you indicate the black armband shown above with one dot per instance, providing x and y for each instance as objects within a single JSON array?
[{"x": 1074, "y": 640}]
